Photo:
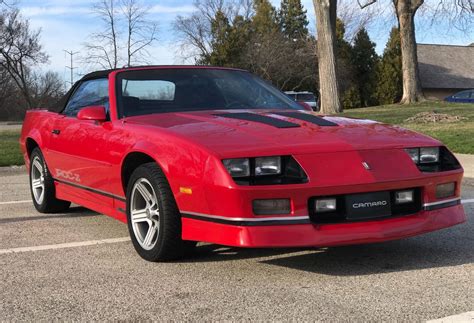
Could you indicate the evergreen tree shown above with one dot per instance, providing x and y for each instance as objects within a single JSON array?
[
  {"x": 293, "y": 19},
  {"x": 343, "y": 48},
  {"x": 364, "y": 61},
  {"x": 265, "y": 19},
  {"x": 349, "y": 93},
  {"x": 220, "y": 29},
  {"x": 228, "y": 40},
  {"x": 389, "y": 71}
]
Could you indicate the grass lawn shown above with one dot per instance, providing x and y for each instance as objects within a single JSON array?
[
  {"x": 10, "y": 153},
  {"x": 458, "y": 136}
]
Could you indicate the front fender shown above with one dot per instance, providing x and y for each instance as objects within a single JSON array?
[{"x": 182, "y": 162}]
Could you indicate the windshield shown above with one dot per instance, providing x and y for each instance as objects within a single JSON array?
[
  {"x": 306, "y": 97},
  {"x": 142, "y": 92}
]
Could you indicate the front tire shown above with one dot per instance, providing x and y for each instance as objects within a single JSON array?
[
  {"x": 43, "y": 191},
  {"x": 153, "y": 218}
]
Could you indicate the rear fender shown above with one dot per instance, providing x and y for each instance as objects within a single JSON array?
[{"x": 37, "y": 126}]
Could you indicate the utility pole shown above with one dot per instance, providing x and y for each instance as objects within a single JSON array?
[{"x": 71, "y": 67}]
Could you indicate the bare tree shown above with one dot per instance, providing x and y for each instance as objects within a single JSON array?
[
  {"x": 326, "y": 14},
  {"x": 20, "y": 50},
  {"x": 354, "y": 19},
  {"x": 194, "y": 31},
  {"x": 124, "y": 21},
  {"x": 8, "y": 3},
  {"x": 8, "y": 92},
  {"x": 141, "y": 33},
  {"x": 46, "y": 88},
  {"x": 405, "y": 11},
  {"x": 459, "y": 14},
  {"x": 276, "y": 58},
  {"x": 103, "y": 48}
]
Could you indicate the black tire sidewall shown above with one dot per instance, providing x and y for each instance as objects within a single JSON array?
[
  {"x": 169, "y": 244},
  {"x": 48, "y": 181},
  {"x": 50, "y": 203},
  {"x": 143, "y": 172}
]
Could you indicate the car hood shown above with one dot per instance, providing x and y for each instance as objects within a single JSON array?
[{"x": 225, "y": 135}]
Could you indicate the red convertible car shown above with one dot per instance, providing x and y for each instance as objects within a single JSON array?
[{"x": 187, "y": 154}]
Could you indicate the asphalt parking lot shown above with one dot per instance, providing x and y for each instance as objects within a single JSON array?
[{"x": 81, "y": 266}]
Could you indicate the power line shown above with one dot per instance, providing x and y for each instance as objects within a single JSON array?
[{"x": 71, "y": 67}]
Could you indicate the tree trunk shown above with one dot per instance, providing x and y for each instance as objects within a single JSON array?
[
  {"x": 406, "y": 9},
  {"x": 325, "y": 24}
]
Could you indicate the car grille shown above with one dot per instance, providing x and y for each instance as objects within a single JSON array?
[{"x": 346, "y": 213}]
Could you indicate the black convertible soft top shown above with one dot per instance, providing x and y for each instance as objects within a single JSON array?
[
  {"x": 61, "y": 103},
  {"x": 59, "y": 106}
]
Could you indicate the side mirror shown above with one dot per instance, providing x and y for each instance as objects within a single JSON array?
[
  {"x": 95, "y": 113},
  {"x": 306, "y": 106}
]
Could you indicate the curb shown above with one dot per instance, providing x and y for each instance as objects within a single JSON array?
[
  {"x": 13, "y": 170},
  {"x": 467, "y": 161}
]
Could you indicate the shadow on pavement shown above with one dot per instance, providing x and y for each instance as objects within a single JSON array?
[
  {"x": 73, "y": 212},
  {"x": 451, "y": 247}
]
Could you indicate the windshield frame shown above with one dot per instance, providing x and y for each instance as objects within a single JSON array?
[{"x": 121, "y": 75}]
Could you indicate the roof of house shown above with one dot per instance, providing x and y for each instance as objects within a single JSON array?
[{"x": 446, "y": 66}]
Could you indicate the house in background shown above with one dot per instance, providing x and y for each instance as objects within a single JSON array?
[{"x": 445, "y": 69}]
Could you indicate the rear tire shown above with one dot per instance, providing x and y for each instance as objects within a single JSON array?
[
  {"x": 43, "y": 191},
  {"x": 153, "y": 218}
]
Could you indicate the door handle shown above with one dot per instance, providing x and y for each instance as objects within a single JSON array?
[{"x": 56, "y": 131}]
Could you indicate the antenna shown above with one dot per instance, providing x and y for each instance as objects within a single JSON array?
[{"x": 71, "y": 67}]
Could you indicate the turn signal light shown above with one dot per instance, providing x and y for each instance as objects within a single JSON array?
[{"x": 445, "y": 190}]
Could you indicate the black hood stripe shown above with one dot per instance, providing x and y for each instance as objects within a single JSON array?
[
  {"x": 308, "y": 117},
  {"x": 259, "y": 118}
]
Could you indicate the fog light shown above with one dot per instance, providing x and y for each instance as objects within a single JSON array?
[
  {"x": 325, "y": 205},
  {"x": 403, "y": 197},
  {"x": 274, "y": 206},
  {"x": 445, "y": 190}
]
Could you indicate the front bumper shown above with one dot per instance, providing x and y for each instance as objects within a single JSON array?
[
  {"x": 302, "y": 233},
  {"x": 222, "y": 212}
]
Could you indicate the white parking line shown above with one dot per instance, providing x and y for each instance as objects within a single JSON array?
[
  {"x": 15, "y": 202},
  {"x": 64, "y": 245},
  {"x": 467, "y": 201},
  {"x": 467, "y": 317}
]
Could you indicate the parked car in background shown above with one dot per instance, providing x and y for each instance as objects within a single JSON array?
[
  {"x": 305, "y": 97},
  {"x": 466, "y": 96}
]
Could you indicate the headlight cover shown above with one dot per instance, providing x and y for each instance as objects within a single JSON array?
[
  {"x": 433, "y": 159},
  {"x": 268, "y": 170},
  {"x": 267, "y": 166},
  {"x": 238, "y": 167}
]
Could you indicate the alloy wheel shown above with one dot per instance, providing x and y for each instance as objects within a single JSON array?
[
  {"x": 37, "y": 180},
  {"x": 145, "y": 214}
]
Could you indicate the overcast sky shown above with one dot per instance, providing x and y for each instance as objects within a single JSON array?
[{"x": 65, "y": 24}]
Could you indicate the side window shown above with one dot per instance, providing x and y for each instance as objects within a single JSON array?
[
  {"x": 462, "y": 95},
  {"x": 93, "y": 92}
]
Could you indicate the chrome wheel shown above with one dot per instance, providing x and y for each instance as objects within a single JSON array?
[
  {"x": 145, "y": 214},
  {"x": 37, "y": 180}
]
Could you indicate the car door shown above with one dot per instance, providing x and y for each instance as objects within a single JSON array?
[{"x": 78, "y": 150}]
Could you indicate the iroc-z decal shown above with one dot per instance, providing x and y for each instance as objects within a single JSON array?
[{"x": 64, "y": 174}]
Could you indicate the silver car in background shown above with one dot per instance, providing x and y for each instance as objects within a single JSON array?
[{"x": 305, "y": 97}]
